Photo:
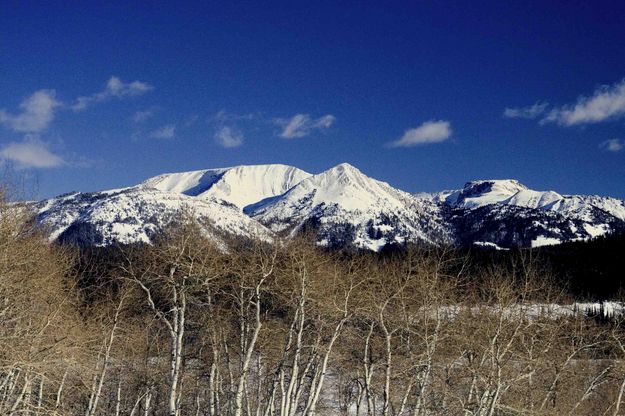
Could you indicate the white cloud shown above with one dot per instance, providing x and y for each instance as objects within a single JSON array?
[
  {"x": 115, "y": 88},
  {"x": 530, "y": 112},
  {"x": 302, "y": 125},
  {"x": 141, "y": 116},
  {"x": 429, "y": 132},
  {"x": 613, "y": 145},
  {"x": 229, "y": 138},
  {"x": 30, "y": 153},
  {"x": 223, "y": 116},
  {"x": 166, "y": 132},
  {"x": 606, "y": 103},
  {"x": 37, "y": 111}
]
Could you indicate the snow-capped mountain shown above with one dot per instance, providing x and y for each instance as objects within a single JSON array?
[
  {"x": 343, "y": 206},
  {"x": 507, "y": 213},
  {"x": 346, "y": 207},
  {"x": 477, "y": 194},
  {"x": 240, "y": 185},
  {"x": 137, "y": 215}
]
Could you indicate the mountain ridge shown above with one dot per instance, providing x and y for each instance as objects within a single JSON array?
[{"x": 345, "y": 207}]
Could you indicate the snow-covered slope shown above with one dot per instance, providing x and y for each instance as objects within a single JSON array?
[
  {"x": 507, "y": 213},
  {"x": 342, "y": 206},
  {"x": 136, "y": 215},
  {"x": 345, "y": 207},
  {"x": 478, "y": 194},
  {"x": 239, "y": 185}
]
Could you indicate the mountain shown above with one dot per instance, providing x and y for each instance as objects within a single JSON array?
[
  {"x": 477, "y": 194},
  {"x": 137, "y": 215},
  {"x": 508, "y": 214},
  {"x": 240, "y": 185},
  {"x": 345, "y": 207},
  {"x": 342, "y": 206}
]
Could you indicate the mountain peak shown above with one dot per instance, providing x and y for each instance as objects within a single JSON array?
[
  {"x": 343, "y": 169},
  {"x": 344, "y": 205},
  {"x": 239, "y": 185},
  {"x": 489, "y": 185},
  {"x": 478, "y": 193},
  {"x": 345, "y": 184}
]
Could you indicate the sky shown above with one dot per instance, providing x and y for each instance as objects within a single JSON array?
[{"x": 423, "y": 95}]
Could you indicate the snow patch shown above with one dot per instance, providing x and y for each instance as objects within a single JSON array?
[
  {"x": 489, "y": 245},
  {"x": 541, "y": 241},
  {"x": 595, "y": 230}
]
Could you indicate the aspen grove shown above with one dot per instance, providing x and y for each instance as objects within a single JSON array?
[{"x": 187, "y": 326}]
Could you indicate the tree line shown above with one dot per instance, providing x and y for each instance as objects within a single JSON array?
[{"x": 186, "y": 326}]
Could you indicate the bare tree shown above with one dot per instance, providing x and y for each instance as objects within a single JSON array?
[{"x": 170, "y": 274}]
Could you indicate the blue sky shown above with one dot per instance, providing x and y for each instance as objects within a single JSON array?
[{"x": 423, "y": 95}]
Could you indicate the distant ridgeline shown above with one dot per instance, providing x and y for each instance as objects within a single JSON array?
[{"x": 343, "y": 207}]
